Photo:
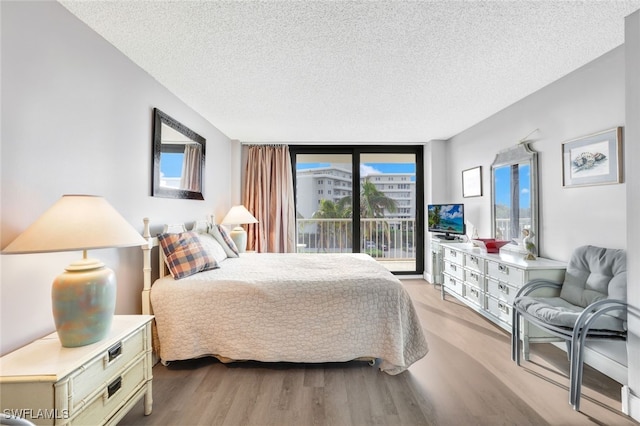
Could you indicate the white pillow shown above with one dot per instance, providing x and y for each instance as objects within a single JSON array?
[{"x": 213, "y": 247}]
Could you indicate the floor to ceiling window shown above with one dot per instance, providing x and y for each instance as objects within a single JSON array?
[{"x": 383, "y": 221}]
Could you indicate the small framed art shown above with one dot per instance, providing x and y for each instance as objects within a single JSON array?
[
  {"x": 593, "y": 160},
  {"x": 472, "y": 182}
]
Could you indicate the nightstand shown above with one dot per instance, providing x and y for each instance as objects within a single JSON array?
[{"x": 95, "y": 384}]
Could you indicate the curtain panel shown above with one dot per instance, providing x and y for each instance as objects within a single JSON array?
[
  {"x": 268, "y": 194},
  {"x": 191, "y": 168}
]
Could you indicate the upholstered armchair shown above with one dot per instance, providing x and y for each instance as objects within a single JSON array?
[{"x": 589, "y": 304}]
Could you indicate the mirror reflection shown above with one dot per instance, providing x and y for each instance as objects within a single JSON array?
[
  {"x": 514, "y": 194},
  {"x": 178, "y": 156}
]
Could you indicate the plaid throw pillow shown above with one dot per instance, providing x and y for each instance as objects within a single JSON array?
[
  {"x": 227, "y": 239},
  {"x": 221, "y": 234},
  {"x": 185, "y": 254}
]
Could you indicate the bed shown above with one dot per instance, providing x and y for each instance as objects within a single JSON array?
[{"x": 306, "y": 308}]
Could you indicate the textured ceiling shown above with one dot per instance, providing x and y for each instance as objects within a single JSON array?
[{"x": 356, "y": 71}]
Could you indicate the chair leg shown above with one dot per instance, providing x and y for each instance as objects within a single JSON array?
[
  {"x": 579, "y": 369},
  {"x": 575, "y": 368},
  {"x": 568, "y": 343},
  {"x": 515, "y": 337}
]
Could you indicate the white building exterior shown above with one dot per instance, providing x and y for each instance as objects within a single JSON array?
[{"x": 334, "y": 182}]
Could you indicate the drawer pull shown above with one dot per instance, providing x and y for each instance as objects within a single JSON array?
[
  {"x": 452, "y": 281},
  {"x": 474, "y": 259},
  {"x": 504, "y": 308},
  {"x": 473, "y": 276},
  {"x": 115, "y": 351},
  {"x": 114, "y": 387},
  {"x": 503, "y": 269},
  {"x": 503, "y": 288},
  {"x": 474, "y": 292},
  {"x": 453, "y": 268},
  {"x": 453, "y": 253}
]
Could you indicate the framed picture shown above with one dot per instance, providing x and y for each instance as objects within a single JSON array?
[
  {"x": 472, "y": 182},
  {"x": 593, "y": 160}
]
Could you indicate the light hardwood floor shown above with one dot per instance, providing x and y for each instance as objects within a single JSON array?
[{"x": 467, "y": 378}]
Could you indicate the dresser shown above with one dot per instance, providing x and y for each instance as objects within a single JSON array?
[
  {"x": 488, "y": 283},
  {"x": 95, "y": 384}
]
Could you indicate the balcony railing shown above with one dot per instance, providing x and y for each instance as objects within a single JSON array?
[
  {"x": 388, "y": 238},
  {"x": 503, "y": 228}
]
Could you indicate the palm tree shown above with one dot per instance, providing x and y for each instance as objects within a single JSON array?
[
  {"x": 373, "y": 204},
  {"x": 331, "y": 210}
]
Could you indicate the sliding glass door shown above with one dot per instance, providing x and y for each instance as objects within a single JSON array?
[
  {"x": 382, "y": 219},
  {"x": 323, "y": 217}
]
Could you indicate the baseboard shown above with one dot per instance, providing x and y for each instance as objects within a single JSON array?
[
  {"x": 605, "y": 365},
  {"x": 630, "y": 403}
]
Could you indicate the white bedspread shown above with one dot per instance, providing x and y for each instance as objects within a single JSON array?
[{"x": 290, "y": 307}]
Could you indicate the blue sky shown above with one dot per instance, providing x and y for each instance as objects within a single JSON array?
[
  {"x": 381, "y": 167},
  {"x": 171, "y": 164},
  {"x": 503, "y": 187},
  {"x": 367, "y": 168}
]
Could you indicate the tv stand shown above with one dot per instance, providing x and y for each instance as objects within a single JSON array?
[{"x": 446, "y": 237}]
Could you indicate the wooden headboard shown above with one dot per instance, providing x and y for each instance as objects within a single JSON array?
[{"x": 198, "y": 225}]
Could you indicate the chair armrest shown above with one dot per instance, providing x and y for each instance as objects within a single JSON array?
[
  {"x": 594, "y": 310},
  {"x": 536, "y": 284}
]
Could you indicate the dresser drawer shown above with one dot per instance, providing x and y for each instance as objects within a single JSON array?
[
  {"x": 453, "y": 285},
  {"x": 474, "y": 295},
  {"x": 471, "y": 261},
  {"x": 112, "y": 395},
  {"x": 104, "y": 368},
  {"x": 95, "y": 384},
  {"x": 499, "y": 309},
  {"x": 501, "y": 291},
  {"x": 454, "y": 269},
  {"x": 474, "y": 278},
  {"x": 506, "y": 273},
  {"x": 453, "y": 256}
]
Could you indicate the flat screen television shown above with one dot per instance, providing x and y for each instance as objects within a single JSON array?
[{"x": 446, "y": 219}]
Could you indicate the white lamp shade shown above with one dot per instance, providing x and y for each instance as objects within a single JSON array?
[
  {"x": 238, "y": 215},
  {"x": 76, "y": 222}
]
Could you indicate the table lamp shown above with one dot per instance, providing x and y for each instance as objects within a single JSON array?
[
  {"x": 84, "y": 296},
  {"x": 239, "y": 215}
]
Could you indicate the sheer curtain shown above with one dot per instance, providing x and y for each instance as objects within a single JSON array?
[
  {"x": 268, "y": 194},
  {"x": 190, "y": 179}
]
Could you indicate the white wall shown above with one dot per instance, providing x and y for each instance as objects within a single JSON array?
[
  {"x": 588, "y": 100},
  {"x": 632, "y": 153},
  {"x": 77, "y": 118}
]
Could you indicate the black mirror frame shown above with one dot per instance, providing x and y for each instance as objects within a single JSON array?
[{"x": 159, "y": 118}]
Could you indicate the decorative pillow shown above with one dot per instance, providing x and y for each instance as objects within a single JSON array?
[
  {"x": 213, "y": 246},
  {"x": 220, "y": 234},
  {"x": 185, "y": 255}
]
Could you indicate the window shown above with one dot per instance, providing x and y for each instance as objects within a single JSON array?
[{"x": 387, "y": 229}]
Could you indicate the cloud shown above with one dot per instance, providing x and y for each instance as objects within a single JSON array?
[
  {"x": 366, "y": 170},
  {"x": 447, "y": 214},
  {"x": 524, "y": 191}
]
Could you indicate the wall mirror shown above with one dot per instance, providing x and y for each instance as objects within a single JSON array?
[
  {"x": 514, "y": 195},
  {"x": 178, "y": 159}
]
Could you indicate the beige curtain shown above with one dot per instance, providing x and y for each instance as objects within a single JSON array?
[
  {"x": 190, "y": 179},
  {"x": 268, "y": 194}
]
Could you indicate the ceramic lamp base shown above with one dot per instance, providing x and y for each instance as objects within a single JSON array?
[
  {"x": 84, "y": 300},
  {"x": 239, "y": 237}
]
